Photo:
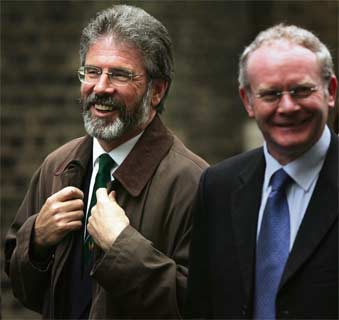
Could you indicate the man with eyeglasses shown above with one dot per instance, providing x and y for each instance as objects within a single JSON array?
[
  {"x": 104, "y": 229},
  {"x": 265, "y": 231}
]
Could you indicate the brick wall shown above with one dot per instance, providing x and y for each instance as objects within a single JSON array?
[{"x": 39, "y": 57}]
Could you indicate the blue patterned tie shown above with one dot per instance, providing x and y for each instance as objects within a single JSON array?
[
  {"x": 106, "y": 163},
  {"x": 272, "y": 247}
]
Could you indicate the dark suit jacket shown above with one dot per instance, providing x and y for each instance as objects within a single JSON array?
[{"x": 222, "y": 258}]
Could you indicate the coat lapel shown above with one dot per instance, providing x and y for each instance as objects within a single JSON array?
[
  {"x": 71, "y": 172},
  {"x": 141, "y": 163},
  {"x": 245, "y": 208},
  {"x": 320, "y": 215}
]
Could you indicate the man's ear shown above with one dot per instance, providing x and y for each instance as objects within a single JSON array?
[
  {"x": 159, "y": 88},
  {"x": 332, "y": 91},
  {"x": 246, "y": 102}
]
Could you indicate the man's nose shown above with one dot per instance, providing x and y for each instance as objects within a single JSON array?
[
  {"x": 103, "y": 85},
  {"x": 287, "y": 103}
]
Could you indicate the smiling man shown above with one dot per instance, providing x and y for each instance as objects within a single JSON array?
[
  {"x": 265, "y": 239},
  {"x": 104, "y": 229}
]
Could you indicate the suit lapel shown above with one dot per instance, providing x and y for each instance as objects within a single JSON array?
[
  {"x": 320, "y": 215},
  {"x": 245, "y": 208}
]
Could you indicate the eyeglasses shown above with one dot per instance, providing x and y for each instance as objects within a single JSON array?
[
  {"x": 298, "y": 92},
  {"x": 117, "y": 77}
]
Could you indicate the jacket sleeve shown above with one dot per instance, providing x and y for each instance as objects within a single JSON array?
[
  {"x": 197, "y": 303},
  {"x": 143, "y": 281},
  {"x": 29, "y": 280},
  {"x": 148, "y": 279}
]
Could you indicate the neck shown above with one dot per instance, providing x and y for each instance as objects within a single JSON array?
[{"x": 286, "y": 156}]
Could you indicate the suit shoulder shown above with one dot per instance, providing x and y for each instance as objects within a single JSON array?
[{"x": 232, "y": 166}]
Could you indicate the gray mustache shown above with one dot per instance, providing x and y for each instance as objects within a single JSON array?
[{"x": 103, "y": 100}]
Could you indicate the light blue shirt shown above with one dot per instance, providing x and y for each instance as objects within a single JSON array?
[{"x": 305, "y": 172}]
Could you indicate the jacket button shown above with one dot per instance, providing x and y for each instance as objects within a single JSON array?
[
  {"x": 285, "y": 313},
  {"x": 244, "y": 310}
]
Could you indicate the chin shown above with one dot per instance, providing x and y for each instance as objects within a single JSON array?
[
  {"x": 102, "y": 129},
  {"x": 293, "y": 146}
]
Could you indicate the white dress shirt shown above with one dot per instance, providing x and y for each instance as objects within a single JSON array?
[
  {"x": 305, "y": 172},
  {"x": 118, "y": 155}
]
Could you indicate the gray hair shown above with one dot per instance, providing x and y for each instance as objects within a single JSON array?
[
  {"x": 294, "y": 35},
  {"x": 134, "y": 26}
]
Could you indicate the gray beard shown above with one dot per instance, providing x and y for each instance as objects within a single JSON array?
[{"x": 126, "y": 122}]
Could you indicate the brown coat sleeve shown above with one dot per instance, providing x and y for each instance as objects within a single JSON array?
[
  {"x": 29, "y": 282},
  {"x": 144, "y": 274}
]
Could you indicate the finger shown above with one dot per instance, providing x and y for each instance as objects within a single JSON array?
[
  {"x": 67, "y": 193},
  {"x": 62, "y": 225},
  {"x": 70, "y": 216},
  {"x": 93, "y": 210},
  {"x": 89, "y": 226},
  {"x": 112, "y": 196},
  {"x": 101, "y": 195},
  {"x": 91, "y": 223},
  {"x": 68, "y": 206},
  {"x": 73, "y": 225}
]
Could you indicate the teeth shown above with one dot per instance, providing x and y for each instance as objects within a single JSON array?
[{"x": 103, "y": 108}]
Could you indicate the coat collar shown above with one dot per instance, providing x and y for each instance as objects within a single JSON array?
[
  {"x": 79, "y": 154},
  {"x": 135, "y": 171},
  {"x": 141, "y": 163}
]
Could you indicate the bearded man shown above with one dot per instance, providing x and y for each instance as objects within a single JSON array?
[{"x": 104, "y": 229}]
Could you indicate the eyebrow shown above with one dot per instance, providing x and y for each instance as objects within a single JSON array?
[
  {"x": 279, "y": 88},
  {"x": 110, "y": 68},
  {"x": 121, "y": 70}
]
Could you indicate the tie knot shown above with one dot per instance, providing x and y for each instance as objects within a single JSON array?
[
  {"x": 106, "y": 163},
  {"x": 279, "y": 180}
]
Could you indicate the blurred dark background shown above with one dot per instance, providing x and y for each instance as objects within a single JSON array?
[{"x": 39, "y": 86}]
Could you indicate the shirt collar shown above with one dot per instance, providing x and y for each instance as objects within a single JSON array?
[
  {"x": 118, "y": 154},
  {"x": 304, "y": 169}
]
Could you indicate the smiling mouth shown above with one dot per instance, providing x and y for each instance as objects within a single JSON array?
[
  {"x": 104, "y": 108},
  {"x": 293, "y": 124},
  {"x": 287, "y": 125}
]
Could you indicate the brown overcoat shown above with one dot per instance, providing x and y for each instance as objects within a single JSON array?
[{"x": 144, "y": 273}]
